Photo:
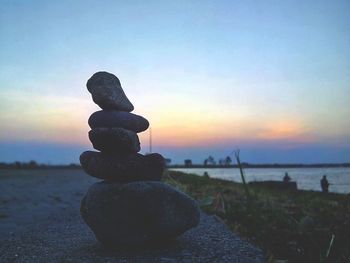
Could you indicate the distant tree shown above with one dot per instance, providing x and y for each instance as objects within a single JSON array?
[
  {"x": 221, "y": 162},
  {"x": 205, "y": 162},
  {"x": 228, "y": 161},
  {"x": 32, "y": 164},
  {"x": 188, "y": 162},
  {"x": 211, "y": 160}
]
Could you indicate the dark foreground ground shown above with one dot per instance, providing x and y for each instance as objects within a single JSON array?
[
  {"x": 40, "y": 222},
  {"x": 290, "y": 226}
]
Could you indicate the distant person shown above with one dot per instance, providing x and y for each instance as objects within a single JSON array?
[
  {"x": 324, "y": 184},
  {"x": 286, "y": 178}
]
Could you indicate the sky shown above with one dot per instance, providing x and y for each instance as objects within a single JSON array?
[{"x": 271, "y": 78}]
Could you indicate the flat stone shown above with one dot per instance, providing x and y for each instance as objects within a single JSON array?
[
  {"x": 123, "y": 168},
  {"x": 137, "y": 213},
  {"x": 121, "y": 119},
  {"x": 107, "y": 92},
  {"x": 114, "y": 140}
]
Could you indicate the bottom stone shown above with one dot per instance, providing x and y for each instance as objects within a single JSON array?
[{"x": 137, "y": 213}]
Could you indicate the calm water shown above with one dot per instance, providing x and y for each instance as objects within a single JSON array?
[{"x": 306, "y": 178}]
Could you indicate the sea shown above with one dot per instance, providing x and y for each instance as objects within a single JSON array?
[{"x": 306, "y": 178}]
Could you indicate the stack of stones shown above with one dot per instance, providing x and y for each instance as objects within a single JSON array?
[{"x": 130, "y": 207}]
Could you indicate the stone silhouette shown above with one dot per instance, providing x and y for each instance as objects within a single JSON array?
[
  {"x": 107, "y": 92},
  {"x": 130, "y": 207}
]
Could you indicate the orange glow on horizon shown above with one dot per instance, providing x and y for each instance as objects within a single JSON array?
[
  {"x": 177, "y": 131},
  {"x": 64, "y": 120},
  {"x": 287, "y": 129}
]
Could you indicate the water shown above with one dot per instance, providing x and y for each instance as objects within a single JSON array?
[{"x": 306, "y": 178}]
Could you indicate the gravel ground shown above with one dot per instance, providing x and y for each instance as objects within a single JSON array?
[{"x": 40, "y": 222}]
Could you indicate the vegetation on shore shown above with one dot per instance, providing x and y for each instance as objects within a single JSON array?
[
  {"x": 34, "y": 165},
  {"x": 295, "y": 226}
]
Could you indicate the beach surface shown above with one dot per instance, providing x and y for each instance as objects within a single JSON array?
[{"x": 40, "y": 222}]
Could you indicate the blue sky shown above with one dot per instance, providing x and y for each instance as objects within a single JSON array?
[{"x": 269, "y": 77}]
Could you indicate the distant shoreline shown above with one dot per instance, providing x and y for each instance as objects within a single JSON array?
[
  {"x": 248, "y": 165},
  {"x": 34, "y": 165}
]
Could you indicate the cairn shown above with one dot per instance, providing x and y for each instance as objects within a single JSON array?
[{"x": 130, "y": 207}]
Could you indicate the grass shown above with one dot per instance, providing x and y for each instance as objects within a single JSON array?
[{"x": 299, "y": 226}]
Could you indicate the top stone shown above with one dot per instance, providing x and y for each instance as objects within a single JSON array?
[{"x": 107, "y": 92}]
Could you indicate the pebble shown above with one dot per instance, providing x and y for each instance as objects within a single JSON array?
[
  {"x": 107, "y": 92},
  {"x": 137, "y": 213},
  {"x": 123, "y": 168},
  {"x": 120, "y": 119},
  {"x": 114, "y": 140}
]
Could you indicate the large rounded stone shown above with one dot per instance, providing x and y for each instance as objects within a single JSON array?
[
  {"x": 121, "y": 119},
  {"x": 123, "y": 168},
  {"x": 107, "y": 92},
  {"x": 137, "y": 213},
  {"x": 114, "y": 140}
]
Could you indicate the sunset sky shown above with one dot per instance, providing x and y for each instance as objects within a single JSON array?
[{"x": 269, "y": 77}]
